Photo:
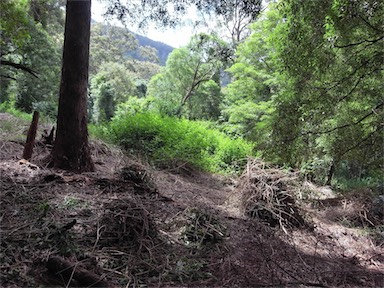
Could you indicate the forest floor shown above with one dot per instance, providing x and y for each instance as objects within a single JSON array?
[{"x": 130, "y": 225}]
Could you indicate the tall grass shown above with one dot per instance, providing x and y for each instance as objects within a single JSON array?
[
  {"x": 7, "y": 107},
  {"x": 166, "y": 141}
]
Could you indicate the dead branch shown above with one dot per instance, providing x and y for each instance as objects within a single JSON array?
[
  {"x": 28, "y": 148},
  {"x": 61, "y": 267}
]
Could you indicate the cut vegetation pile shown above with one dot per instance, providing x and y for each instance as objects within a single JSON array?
[
  {"x": 269, "y": 195},
  {"x": 126, "y": 223}
]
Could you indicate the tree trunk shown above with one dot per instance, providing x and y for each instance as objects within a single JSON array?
[
  {"x": 28, "y": 148},
  {"x": 71, "y": 150},
  {"x": 331, "y": 172}
]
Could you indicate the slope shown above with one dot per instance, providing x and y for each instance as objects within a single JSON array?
[{"x": 129, "y": 225}]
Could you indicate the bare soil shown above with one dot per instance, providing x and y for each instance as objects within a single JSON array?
[{"x": 176, "y": 228}]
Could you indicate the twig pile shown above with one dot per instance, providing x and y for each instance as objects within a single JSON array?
[
  {"x": 202, "y": 228},
  {"x": 126, "y": 223},
  {"x": 269, "y": 195}
]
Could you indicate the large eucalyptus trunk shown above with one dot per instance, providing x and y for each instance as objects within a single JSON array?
[{"x": 71, "y": 150}]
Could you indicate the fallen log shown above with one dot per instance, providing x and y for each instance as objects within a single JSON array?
[{"x": 68, "y": 271}]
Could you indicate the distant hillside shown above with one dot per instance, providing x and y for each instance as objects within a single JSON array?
[{"x": 163, "y": 49}]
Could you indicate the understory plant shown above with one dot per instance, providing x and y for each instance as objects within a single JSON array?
[{"x": 166, "y": 141}]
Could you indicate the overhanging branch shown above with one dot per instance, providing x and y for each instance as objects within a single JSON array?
[
  {"x": 338, "y": 127},
  {"x": 353, "y": 147},
  {"x": 370, "y": 25},
  {"x": 360, "y": 42},
  {"x": 8, "y": 77},
  {"x": 19, "y": 66}
]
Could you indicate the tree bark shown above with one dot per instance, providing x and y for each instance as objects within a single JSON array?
[
  {"x": 28, "y": 147},
  {"x": 331, "y": 172},
  {"x": 48, "y": 139},
  {"x": 71, "y": 150}
]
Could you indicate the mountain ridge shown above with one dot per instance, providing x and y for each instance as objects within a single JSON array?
[{"x": 163, "y": 49}]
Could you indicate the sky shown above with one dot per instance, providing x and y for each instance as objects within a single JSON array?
[{"x": 174, "y": 37}]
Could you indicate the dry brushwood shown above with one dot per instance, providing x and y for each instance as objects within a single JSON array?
[
  {"x": 268, "y": 194},
  {"x": 202, "y": 228},
  {"x": 139, "y": 175},
  {"x": 127, "y": 224}
]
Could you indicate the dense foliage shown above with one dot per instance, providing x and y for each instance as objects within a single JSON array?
[
  {"x": 308, "y": 89},
  {"x": 32, "y": 34},
  {"x": 188, "y": 85},
  {"x": 334, "y": 64},
  {"x": 30, "y": 53},
  {"x": 170, "y": 142}
]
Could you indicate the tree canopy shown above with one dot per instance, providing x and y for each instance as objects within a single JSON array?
[
  {"x": 322, "y": 79},
  {"x": 170, "y": 12},
  {"x": 187, "y": 85}
]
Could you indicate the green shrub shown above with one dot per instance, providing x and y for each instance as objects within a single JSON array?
[
  {"x": 165, "y": 141},
  {"x": 343, "y": 184},
  {"x": 7, "y": 107},
  {"x": 232, "y": 154}
]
